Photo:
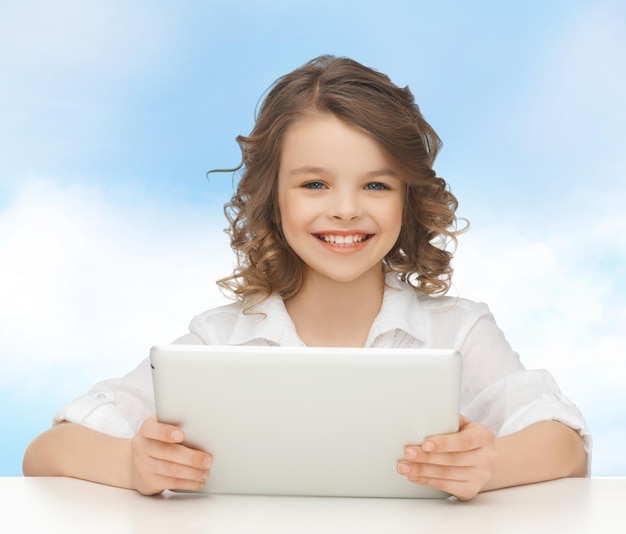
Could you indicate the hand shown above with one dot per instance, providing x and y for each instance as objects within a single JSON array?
[
  {"x": 159, "y": 461},
  {"x": 459, "y": 463}
]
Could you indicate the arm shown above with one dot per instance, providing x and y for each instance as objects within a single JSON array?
[
  {"x": 473, "y": 460},
  {"x": 152, "y": 461},
  {"x": 542, "y": 451}
]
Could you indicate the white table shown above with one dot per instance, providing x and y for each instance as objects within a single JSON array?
[{"x": 67, "y": 505}]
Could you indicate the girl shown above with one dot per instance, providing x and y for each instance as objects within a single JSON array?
[{"x": 340, "y": 226}]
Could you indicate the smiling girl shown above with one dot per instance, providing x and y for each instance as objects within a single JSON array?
[{"x": 340, "y": 228}]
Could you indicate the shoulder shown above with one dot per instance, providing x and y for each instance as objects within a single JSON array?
[
  {"x": 452, "y": 306},
  {"x": 438, "y": 321},
  {"x": 441, "y": 306},
  {"x": 454, "y": 318},
  {"x": 216, "y": 325}
]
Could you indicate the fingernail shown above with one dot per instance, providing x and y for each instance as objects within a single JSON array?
[
  {"x": 177, "y": 435},
  {"x": 206, "y": 463},
  {"x": 404, "y": 468},
  {"x": 428, "y": 446},
  {"x": 411, "y": 454}
]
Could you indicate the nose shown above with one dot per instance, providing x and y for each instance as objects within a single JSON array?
[{"x": 345, "y": 206}]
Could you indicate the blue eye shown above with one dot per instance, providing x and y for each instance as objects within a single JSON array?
[
  {"x": 376, "y": 186},
  {"x": 314, "y": 185}
]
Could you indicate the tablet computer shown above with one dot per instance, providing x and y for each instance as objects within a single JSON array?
[{"x": 307, "y": 421}]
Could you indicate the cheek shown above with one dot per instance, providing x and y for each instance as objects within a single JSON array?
[
  {"x": 395, "y": 216},
  {"x": 292, "y": 216}
]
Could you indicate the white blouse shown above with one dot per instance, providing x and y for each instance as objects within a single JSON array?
[{"x": 496, "y": 390}]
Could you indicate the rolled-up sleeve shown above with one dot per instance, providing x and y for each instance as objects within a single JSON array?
[
  {"x": 501, "y": 393},
  {"x": 116, "y": 407}
]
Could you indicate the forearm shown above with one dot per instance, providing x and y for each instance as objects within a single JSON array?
[
  {"x": 543, "y": 451},
  {"x": 76, "y": 451}
]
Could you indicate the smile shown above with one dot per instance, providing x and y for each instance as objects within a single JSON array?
[{"x": 343, "y": 240}]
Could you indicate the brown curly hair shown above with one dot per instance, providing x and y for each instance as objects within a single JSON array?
[{"x": 369, "y": 101}]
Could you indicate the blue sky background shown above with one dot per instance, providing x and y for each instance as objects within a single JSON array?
[{"x": 111, "y": 238}]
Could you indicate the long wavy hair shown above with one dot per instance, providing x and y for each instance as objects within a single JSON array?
[{"x": 364, "y": 99}]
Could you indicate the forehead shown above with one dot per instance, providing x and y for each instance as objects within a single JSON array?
[{"x": 324, "y": 141}]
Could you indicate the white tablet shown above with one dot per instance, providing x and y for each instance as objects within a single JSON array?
[{"x": 307, "y": 421}]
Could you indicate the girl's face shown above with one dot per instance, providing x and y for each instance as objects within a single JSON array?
[{"x": 340, "y": 200}]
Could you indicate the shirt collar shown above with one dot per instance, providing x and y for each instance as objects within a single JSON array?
[
  {"x": 269, "y": 321},
  {"x": 401, "y": 310}
]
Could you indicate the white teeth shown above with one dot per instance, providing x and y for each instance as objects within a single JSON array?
[{"x": 343, "y": 240}]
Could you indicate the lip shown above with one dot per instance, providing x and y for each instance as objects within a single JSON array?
[{"x": 343, "y": 240}]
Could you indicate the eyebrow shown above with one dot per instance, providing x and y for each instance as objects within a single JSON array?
[{"x": 309, "y": 169}]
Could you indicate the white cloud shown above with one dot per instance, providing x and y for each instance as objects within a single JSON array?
[
  {"x": 559, "y": 295},
  {"x": 91, "y": 282}
]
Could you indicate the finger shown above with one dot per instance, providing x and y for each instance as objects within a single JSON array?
[
  {"x": 178, "y": 454},
  {"x": 148, "y": 452},
  {"x": 459, "y": 459},
  {"x": 449, "y": 443},
  {"x": 155, "y": 483},
  {"x": 414, "y": 471},
  {"x": 181, "y": 484},
  {"x": 462, "y": 490},
  {"x": 153, "y": 429},
  {"x": 158, "y": 466},
  {"x": 470, "y": 436},
  {"x": 173, "y": 470}
]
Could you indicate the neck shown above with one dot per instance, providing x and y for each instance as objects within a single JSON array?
[{"x": 331, "y": 313}]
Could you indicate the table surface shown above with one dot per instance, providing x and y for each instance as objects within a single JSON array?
[{"x": 68, "y": 505}]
